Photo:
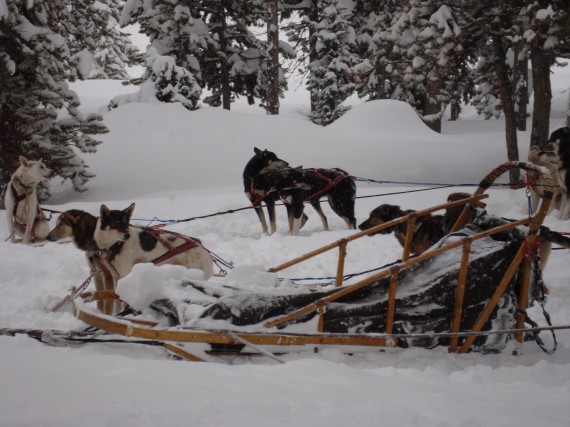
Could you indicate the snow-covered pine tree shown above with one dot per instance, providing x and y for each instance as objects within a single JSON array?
[
  {"x": 548, "y": 29},
  {"x": 329, "y": 81},
  {"x": 371, "y": 20},
  {"x": 39, "y": 115},
  {"x": 493, "y": 27},
  {"x": 176, "y": 30},
  {"x": 211, "y": 39},
  {"x": 236, "y": 65},
  {"x": 99, "y": 49},
  {"x": 425, "y": 41}
]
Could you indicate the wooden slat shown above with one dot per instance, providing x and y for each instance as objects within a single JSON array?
[
  {"x": 112, "y": 325},
  {"x": 410, "y": 228},
  {"x": 395, "y": 273},
  {"x": 341, "y": 258},
  {"x": 460, "y": 294}
]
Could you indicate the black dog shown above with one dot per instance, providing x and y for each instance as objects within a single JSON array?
[
  {"x": 263, "y": 162},
  {"x": 294, "y": 186}
]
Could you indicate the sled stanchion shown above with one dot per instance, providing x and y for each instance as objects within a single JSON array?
[
  {"x": 531, "y": 242},
  {"x": 394, "y": 277},
  {"x": 460, "y": 294},
  {"x": 341, "y": 258},
  {"x": 321, "y": 313},
  {"x": 410, "y": 228}
]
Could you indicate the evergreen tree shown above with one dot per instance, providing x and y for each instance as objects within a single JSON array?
[
  {"x": 548, "y": 30},
  {"x": 99, "y": 49},
  {"x": 211, "y": 39},
  {"x": 39, "y": 115},
  {"x": 329, "y": 81}
]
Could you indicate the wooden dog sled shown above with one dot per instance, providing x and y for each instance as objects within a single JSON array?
[{"x": 469, "y": 292}]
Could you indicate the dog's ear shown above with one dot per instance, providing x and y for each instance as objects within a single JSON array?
[
  {"x": 23, "y": 161},
  {"x": 104, "y": 211},
  {"x": 256, "y": 150},
  {"x": 129, "y": 210}
]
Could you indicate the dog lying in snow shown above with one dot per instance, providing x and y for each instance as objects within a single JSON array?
[
  {"x": 428, "y": 230},
  {"x": 431, "y": 228},
  {"x": 23, "y": 212},
  {"x": 295, "y": 186},
  {"x": 130, "y": 245}
]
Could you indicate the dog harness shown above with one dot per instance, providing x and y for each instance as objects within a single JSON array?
[
  {"x": 330, "y": 182},
  {"x": 17, "y": 199},
  {"x": 189, "y": 243}
]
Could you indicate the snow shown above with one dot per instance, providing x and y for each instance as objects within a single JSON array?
[{"x": 177, "y": 164}]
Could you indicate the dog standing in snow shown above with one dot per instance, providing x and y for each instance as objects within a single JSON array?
[
  {"x": 23, "y": 212},
  {"x": 128, "y": 245}
]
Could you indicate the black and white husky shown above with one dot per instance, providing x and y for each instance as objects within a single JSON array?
[
  {"x": 23, "y": 212},
  {"x": 129, "y": 245}
]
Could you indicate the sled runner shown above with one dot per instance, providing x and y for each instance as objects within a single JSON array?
[{"x": 469, "y": 292}]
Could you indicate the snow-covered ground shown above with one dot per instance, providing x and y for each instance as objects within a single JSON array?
[{"x": 175, "y": 165}]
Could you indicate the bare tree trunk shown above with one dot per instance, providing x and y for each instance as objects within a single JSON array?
[
  {"x": 521, "y": 92},
  {"x": 433, "y": 106},
  {"x": 542, "y": 97},
  {"x": 272, "y": 57},
  {"x": 568, "y": 110},
  {"x": 224, "y": 69},
  {"x": 505, "y": 91},
  {"x": 313, "y": 17}
]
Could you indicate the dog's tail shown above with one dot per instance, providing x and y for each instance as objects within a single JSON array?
[{"x": 555, "y": 237}]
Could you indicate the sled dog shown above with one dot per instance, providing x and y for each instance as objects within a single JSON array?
[
  {"x": 428, "y": 229},
  {"x": 262, "y": 162},
  {"x": 295, "y": 186},
  {"x": 23, "y": 212},
  {"x": 557, "y": 153},
  {"x": 128, "y": 245},
  {"x": 79, "y": 226},
  {"x": 537, "y": 185}
]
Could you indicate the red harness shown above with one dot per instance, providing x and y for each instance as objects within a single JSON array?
[
  {"x": 17, "y": 199},
  {"x": 330, "y": 182},
  {"x": 189, "y": 243}
]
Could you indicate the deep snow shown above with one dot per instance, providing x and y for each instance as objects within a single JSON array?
[{"x": 175, "y": 165}]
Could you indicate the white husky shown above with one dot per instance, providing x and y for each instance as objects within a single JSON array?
[{"x": 23, "y": 212}]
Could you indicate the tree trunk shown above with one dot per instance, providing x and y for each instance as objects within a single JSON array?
[
  {"x": 505, "y": 92},
  {"x": 313, "y": 17},
  {"x": 272, "y": 57},
  {"x": 433, "y": 105},
  {"x": 454, "y": 110},
  {"x": 568, "y": 110},
  {"x": 224, "y": 68},
  {"x": 521, "y": 92},
  {"x": 542, "y": 96}
]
